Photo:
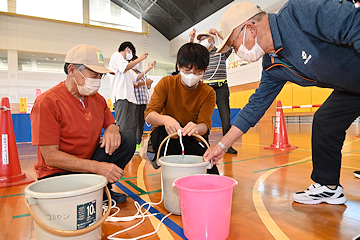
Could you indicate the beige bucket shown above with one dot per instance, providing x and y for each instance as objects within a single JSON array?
[
  {"x": 176, "y": 166},
  {"x": 67, "y": 207}
]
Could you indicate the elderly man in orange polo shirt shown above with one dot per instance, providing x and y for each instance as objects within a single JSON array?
[{"x": 67, "y": 120}]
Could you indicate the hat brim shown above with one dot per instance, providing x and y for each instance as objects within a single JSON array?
[
  {"x": 99, "y": 69},
  {"x": 223, "y": 48},
  {"x": 205, "y": 34}
]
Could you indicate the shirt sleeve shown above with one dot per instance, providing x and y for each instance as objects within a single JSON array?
[
  {"x": 158, "y": 98},
  {"x": 133, "y": 76},
  {"x": 329, "y": 20},
  {"x": 118, "y": 63},
  {"x": 227, "y": 54},
  {"x": 259, "y": 102}
]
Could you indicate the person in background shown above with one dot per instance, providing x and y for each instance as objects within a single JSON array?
[
  {"x": 215, "y": 76},
  {"x": 183, "y": 102},
  {"x": 310, "y": 43},
  {"x": 142, "y": 87},
  {"x": 122, "y": 85},
  {"x": 66, "y": 122}
]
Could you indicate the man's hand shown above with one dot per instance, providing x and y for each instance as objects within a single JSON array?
[
  {"x": 111, "y": 139},
  {"x": 171, "y": 125},
  {"x": 109, "y": 170},
  {"x": 189, "y": 129},
  {"x": 192, "y": 34},
  {"x": 149, "y": 82},
  {"x": 215, "y": 32},
  {"x": 152, "y": 64},
  {"x": 215, "y": 153},
  {"x": 143, "y": 56}
]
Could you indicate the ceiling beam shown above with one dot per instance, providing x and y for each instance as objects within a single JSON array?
[
  {"x": 180, "y": 5},
  {"x": 127, "y": 7},
  {"x": 164, "y": 11}
]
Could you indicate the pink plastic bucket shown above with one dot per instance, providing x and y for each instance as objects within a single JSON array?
[{"x": 206, "y": 206}]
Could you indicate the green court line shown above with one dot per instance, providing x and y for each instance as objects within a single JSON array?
[
  {"x": 19, "y": 216},
  {"x": 12, "y": 195},
  {"x": 291, "y": 164},
  {"x": 149, "y": 192},
  {"x": 154, "y": 174},
  {"x": 285, "y": 165},
  {"x": 122, "y": 178},
  {"x": 136, "y": 187},
  {"x": 279, "y": 154}
]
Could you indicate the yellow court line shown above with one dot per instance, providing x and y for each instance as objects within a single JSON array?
[
  {"x": 261, "y": 209},
  {"x": 163, "y": 232}
]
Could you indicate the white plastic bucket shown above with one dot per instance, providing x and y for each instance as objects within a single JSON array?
[
  {"x": 67, "y": 207},
  {"x": 174, "y": 167}
]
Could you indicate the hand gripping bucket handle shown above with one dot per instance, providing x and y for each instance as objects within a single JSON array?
[
  {"x": 173, "y": 135},
  {"x": 70, "y": 233}
]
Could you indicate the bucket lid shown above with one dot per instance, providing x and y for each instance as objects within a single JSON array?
[{"x": 65, "y": 186}]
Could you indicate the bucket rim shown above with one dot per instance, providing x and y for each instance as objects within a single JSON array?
[
  {"x": 231, "y": 186},
  {"x": 183, "y": 165},
  {"x": 34, "y": 194}
]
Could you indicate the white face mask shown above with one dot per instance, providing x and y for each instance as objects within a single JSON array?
[
  {"x": 252, "y": 55},
  {"x": 190, "y": 79},
  {"x": 136, "y": 66},
  {"x": 129, "y": 56},
  {"x": 90, "y": 87},
  {"x": 205, "y": 43}
]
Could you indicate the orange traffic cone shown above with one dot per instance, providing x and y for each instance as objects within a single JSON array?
[
  {"x": 280, "y": 141},
  {"x": 10, "y": 171}
]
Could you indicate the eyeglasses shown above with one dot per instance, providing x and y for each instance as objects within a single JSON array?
[
  {"x": 231, "y": 45},
  {"x": 96, "y": 74},
  {"x": 196, "y": 72}
]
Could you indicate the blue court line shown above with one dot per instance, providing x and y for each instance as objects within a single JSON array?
[{"x": 169, "y": 223}]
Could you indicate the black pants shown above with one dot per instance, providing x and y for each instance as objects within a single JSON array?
[
  {"x": 222, "y": 102},
  {"x": 139, "y": 122},
  {"x": 192, "y": 146},
  {"x": 330, "y": 122},
  {"x": 120, "y": 157}
]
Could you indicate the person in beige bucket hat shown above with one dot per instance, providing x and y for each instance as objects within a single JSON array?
[
  {"x": 67, "y": 119},
  {"x": 216, "y": 75},
  {"x": 310, "y": 43}
]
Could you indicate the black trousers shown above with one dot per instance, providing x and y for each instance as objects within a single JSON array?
[
  {"x": 120, "y": 157},
  {"x": 222, "y": 102},
  {"x": 330, "y": 122},
  {"x": 192, "y": 146},
  {"x": 139, "y": 122}
]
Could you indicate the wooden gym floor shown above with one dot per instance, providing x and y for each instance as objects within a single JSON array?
[{"x": 262, "y": 207}]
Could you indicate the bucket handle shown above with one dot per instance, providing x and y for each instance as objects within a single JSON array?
[
  {"x": 70, "y": 233},
  {"x": 174, "y": 134}
]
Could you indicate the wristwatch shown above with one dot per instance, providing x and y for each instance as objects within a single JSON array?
[{"x": 222, "y": 146}]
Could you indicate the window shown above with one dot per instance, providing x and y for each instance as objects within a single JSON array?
[
  {"x": 65, "y": 10},
  {"x": 40, "y": 62},
  {"x": 3, "y": 5},
  {"x": 107, "y": 14},
  {"x": 3, "y": 60}
]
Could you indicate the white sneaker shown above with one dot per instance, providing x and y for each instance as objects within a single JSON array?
[
  {"x": 357, "y": 174},
  {"x": 318, "y": 193},
  {"x": 356, "y": 237}
]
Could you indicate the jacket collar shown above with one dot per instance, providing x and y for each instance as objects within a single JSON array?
[{"x": 275, "y": 33}]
